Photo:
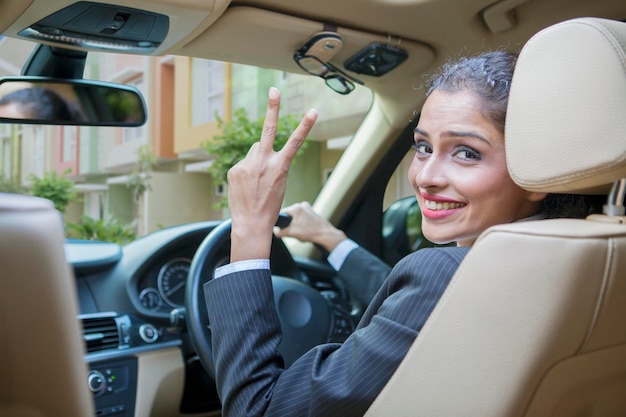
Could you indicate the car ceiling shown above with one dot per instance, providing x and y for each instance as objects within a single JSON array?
[{"x": 266, "y": 32}]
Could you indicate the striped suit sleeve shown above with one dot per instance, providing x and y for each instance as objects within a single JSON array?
[
  {"x": 330, "y": 379},
  {"x": 363, "y": 274}
]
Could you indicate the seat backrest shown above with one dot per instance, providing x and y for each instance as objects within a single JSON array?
[
  {"x": 532, "y": 324},
  {"x": 42, "y": 371}
]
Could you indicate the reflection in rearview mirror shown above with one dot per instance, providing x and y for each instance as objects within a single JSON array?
[{"x": 41, "y": 100}]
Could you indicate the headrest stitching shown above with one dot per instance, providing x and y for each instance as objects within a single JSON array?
[
  {"x": 616, "y": 43},
  {"x": 614, "y": 38}
]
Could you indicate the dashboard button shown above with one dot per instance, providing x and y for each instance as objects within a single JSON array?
[
  {"x": 148, "y": 333},
  {"x": 96, "y": 382}
]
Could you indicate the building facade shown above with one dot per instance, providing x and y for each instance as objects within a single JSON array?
[{"x": 183, "y": 96}]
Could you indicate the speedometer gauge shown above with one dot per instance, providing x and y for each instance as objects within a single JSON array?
[{"x": 172, "y": 279}]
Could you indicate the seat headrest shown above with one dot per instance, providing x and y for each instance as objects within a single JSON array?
[{"x": 566, "y": 119}]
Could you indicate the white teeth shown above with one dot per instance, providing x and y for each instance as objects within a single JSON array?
[{"x": 433, "y": 205}]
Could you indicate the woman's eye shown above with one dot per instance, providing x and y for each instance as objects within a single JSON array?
[
  {"x": 467, "y": 154},
  {"x": 422, "y": 148}
]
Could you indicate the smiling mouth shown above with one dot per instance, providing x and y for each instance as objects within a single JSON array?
[{"x": 434, "y": 205}]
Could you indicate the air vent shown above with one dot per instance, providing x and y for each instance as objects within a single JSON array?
[{"x": 102, "y": 332}]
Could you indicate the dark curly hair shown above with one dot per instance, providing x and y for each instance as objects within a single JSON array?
[{"x": 487, "y": 75}]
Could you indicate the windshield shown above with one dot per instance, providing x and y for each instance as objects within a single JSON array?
[{"x": 121, "y": 183}]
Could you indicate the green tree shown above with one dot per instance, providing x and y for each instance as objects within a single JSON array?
[
  {"x": 238, "y": 135},
  {"x": 139, "y": 178},
  {"x": 107, "y": 229},
  {"x": 57, "y": 188},
  {"x": 7, "y": 185}
]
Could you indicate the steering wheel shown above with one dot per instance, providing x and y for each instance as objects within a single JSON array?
[{"x": 306, "y": 317}]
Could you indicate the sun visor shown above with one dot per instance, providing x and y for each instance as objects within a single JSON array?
[{"x": 225, "y": 41}]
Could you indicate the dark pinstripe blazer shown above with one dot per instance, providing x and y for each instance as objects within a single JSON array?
[
  {"x": 331, "y": 379},
  {"x": 363, "y": 274}
]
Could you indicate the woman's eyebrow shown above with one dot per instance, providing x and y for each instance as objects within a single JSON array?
[
  {"x": 453, "y": 133},
  {"x": 420, "y": 132}
]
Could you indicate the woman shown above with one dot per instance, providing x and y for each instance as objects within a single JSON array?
[
  {"x": 36, "y": 103},
  {"x": 480, "y": 199},
  {"x": 462, "y": 185}
]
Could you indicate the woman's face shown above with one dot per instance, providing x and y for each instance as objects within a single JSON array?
[
  {"x": 459, "y": 171},
  {"x": 12, "y": 111}
]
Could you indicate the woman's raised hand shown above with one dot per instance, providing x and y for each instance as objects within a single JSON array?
[{"x": 256, "y": 185}]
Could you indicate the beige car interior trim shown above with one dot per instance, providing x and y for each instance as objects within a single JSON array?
[
  {"x": 588, "y": 113},
  {"x": 507, "y": 324},
  {"x": 590, "y": 377},
  {"x": 11, "y": 10},
  {"x": 160, "y": 383},
  {"x": 42, "y": 372},
  {"x": 501, "y": 16}
]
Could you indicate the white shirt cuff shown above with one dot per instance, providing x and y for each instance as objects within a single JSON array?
[
  {"x": 247, "y": 265},
  {"x": 337, "y": 257}
]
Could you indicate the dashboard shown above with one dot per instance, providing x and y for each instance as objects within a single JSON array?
[
  {"x": 132, "y": 310},
  {"x": 166, "y": 288}
]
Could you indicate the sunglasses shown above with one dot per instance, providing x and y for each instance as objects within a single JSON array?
[{"x": 336, "y": 79}]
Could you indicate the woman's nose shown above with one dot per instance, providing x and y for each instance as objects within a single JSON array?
[{"x": 429, "y": 172}]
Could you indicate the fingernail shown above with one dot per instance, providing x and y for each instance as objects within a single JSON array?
[
  {"x": 312, "y": 113},
  {"x": 273, "y": 92}
]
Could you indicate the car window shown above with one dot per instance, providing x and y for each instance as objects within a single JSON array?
[{"x": 157, "y": 175}]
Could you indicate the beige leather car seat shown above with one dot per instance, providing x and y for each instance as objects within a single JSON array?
[
  {"x": 42, "y": 372},
  {"x": 534, "y": 321}
]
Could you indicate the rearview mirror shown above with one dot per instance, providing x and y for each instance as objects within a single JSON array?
[{"x": 43, "y": 100}]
